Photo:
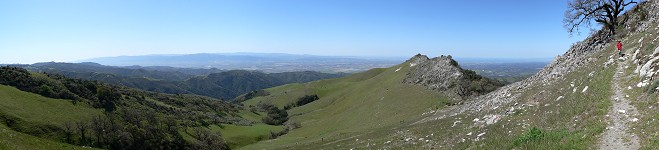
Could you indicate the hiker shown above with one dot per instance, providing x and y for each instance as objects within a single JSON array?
[{"x": 619, "y": 45}]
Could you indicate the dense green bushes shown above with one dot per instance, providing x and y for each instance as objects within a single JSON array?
[
  {"x": 207, "y": 139},
  {"x": 275, "y": 116},
  {"x": 306, "y": 99},
  {"x": 475, "y": 84}
]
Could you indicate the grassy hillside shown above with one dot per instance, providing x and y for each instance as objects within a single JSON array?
[
  {"x": 230, "y": 84},
  {"x": 239, "y": 136},
  {"x": 30, "y": 107},
  {"x": 32, "y": 113},
  {"x": 13, "y": 140},
  {"x": 348, "y": 107}
]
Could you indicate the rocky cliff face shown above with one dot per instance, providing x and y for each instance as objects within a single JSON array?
[{"x": 443, "y": 74}]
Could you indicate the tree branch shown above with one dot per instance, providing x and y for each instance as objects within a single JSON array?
[
  {"x": 631, "y": 2},
  {"x": 605, "y": 12}
]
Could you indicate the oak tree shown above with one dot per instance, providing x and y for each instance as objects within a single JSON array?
[{"x": 605, "y": 12}]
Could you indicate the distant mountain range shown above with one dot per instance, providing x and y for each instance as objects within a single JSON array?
[
  {"x": 266, "y": 62},
  {"x": 220, "y": 84}
]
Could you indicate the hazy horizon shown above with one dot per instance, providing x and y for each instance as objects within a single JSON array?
[{"x": 387, "y": 58}]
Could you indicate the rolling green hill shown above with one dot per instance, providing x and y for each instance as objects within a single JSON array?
[{"x": 32, "y": 113}]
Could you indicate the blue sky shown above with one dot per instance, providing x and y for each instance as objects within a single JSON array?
[{"x": 69, "y": 30}]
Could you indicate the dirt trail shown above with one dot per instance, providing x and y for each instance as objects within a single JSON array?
[{"x": 617, "y": 135}]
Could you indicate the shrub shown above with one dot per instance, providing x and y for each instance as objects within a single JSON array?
[
  {"x": 206, "y": 139},
  {"x": 306, "y": 99},
  {"x": 274, "y": 135},
  {"x": 474, "y": 84},
  {"x": 533, "y": 134},
  {"x": 293, "y": 125},
  {"x": 108, "y": 96},
  {"x": 653, "y": 87},
  {"x": 275, "y": 116}
]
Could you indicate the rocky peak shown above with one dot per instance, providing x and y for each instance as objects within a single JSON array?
[
  {"x": 443, "y": 74},
  {"x": 417, "y": 59}
]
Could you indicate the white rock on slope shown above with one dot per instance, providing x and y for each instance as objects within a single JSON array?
[
  {"x": 491, "y": 119},
  {"x": 646, "y": 68},
  {"x": 584, "y": 89},
  {"x": 622, "y": 111}
]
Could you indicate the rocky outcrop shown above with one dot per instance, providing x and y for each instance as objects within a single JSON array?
[
  {"x": 443, "y": 74},
  {"x": 439, "y": 74}
]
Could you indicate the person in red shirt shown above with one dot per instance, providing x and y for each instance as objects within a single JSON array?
[{"x": 619, "y": 45}]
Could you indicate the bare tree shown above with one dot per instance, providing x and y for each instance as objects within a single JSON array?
[
  {"x": 606, "y": 12},
  {"x": 69, "y": 130},
  {"x": 82, "y": 129},
  {"x": 100, "y": 127}
]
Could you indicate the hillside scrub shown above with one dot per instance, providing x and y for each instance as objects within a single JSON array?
[
  {"x": 275, "y": 115},
  {"x": 250, "y": 95},
  {"x": 17, "y": 141},
  {"x": 478, "y": 85},
  {"x": 306, "y": 99},
  {"x": 133, "y": 119}
]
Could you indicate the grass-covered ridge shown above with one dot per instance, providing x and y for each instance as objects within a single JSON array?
[{"x": 347, "y": 107}]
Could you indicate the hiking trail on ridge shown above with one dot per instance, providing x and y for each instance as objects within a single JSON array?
[{"x": 617, "y": 135}]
